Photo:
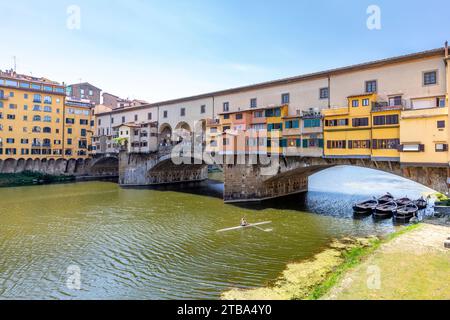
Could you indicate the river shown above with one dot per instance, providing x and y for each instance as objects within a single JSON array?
[{"x": 163, "y": 244}]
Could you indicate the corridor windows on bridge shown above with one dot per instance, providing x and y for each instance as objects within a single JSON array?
[
  {"x": 371, "y": 86},
  {"x": 312, "y": 123},
  {"x": 355, "y": 103},
  {"x": 430, "y": 78},
  {"x": 360, "y": 122},
  {"x": 226, "y": 107},
  {"x": 239, "y": 116},
  {"x": 324, "y": 93},
  {"x": 386, "y": 120}
]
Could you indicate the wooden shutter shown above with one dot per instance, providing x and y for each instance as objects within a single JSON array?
[{"x": 421, "y": 147}]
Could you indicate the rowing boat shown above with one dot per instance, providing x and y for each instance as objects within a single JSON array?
[{"x": 252, "y": 225}]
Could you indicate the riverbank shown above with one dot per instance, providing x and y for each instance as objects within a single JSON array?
[
  {"x": 327, "y": 274},
  {"x": 31, "y": 178}
]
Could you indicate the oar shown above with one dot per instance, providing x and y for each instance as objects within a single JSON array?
[{"x": 264, "y": 230}]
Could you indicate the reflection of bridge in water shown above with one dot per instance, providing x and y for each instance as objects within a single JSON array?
[{"x": 248, "y": 180}]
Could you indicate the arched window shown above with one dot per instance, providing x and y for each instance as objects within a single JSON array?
[
  {"x": 47, "y": 130},
  {"x": 36, "y": 118},
  {"x": 47, "y": 99},
  {"x": 36, "y": 129},
  {"x": 37, "y": 98},
  {"x": 47, "y": 119}
]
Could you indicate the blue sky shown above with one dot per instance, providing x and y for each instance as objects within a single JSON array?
[{"x": 158, "y": 50}]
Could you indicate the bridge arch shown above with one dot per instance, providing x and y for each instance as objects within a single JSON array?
[{"x": 104, "y": 166}]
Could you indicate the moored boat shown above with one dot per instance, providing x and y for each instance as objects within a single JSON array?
[
  {"x": 406, "y": 212},
  {"x": 365, "y": 207},
  {"x": 421, "y": 203},
  {"x": 386, "y": 198},
  {"x": 403, "y": 201},
  {"x": 385, "y": 210}
]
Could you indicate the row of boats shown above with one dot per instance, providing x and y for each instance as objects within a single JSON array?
[{"x": 387, "y": 207}]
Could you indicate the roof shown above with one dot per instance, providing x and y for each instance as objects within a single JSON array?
[{"x": 310, "y": 76}]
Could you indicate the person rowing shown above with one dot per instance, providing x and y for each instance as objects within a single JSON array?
[{"x": 244, "y": 223}]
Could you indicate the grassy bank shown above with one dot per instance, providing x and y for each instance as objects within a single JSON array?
[
  {"x": 30, "y": 178},
  {"x": 312, "y": 279}
]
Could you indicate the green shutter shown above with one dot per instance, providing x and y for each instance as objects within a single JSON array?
[
  {"x": 305, "y": 143},
  {"x": 320, "y": 143},
  {"x": 299, "y": 142}
]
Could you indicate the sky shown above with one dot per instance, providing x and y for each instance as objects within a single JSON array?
[{"x": 160, "y": 50}]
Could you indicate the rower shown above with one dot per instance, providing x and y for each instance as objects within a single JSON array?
[{"x": 244, "y": 222}]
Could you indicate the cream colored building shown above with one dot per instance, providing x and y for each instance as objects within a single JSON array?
[{"x": 399, "y": 77}]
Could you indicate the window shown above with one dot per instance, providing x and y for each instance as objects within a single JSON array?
[
  {"x": 36, "y": 129},
  {"x": 429, "y": 78},
  {"x": 91, "y": 93},
  {"x": 47, "y": 109},
  {"x": 165, "y": 114},
  {"x": 441, "y": 147},
  {"x": 226, "y": 106},
  {"x": 359, "y": 144},
  {"x": 10, "y": 117},
  {"x": 311, "y": 123},
  {"x": 253, "y": 103},
  {"x": 70, "y": 121},
  {"x": 371, "y": 86},
  {"x": 365, "y": 102},
  {"x": 183, "y": 112},
  {"x": 25, "y": 95},
  {"x": 395, "y": 101},
  {"x": 336, "y": 123},
  {"x": 123, "y": 119},
  {"x": 239, "y": 116},
  {"x": 285, "y": 98},
  {"x": 36, "y": 118},
  {"x": 37, "y": 98},
  {"x": 412, "y": 148},
  {"x": 202, "y": 109},
  {"x": 324, "y": 93},
  {"x": 292, "y": 124},
  {"x": 84, "y": 122},
  {"x": 83, "y": 132},
  {"x": 360, "y": 122},
  {"x": 47, "y": 119},
  {"x": 355, "y": 103},
  {"x": 69, "y": 141},
  {"x": 441, "y": 124},
  {"x": 99, "y": 122},
  {"x": 11, "y": 94},
  {"x": 336, "y": 144},
  {"x": 258, "y": 114},
  {"x": 69, "y": 131},
  {"x": 226, "y": 116},
  {"x": 149, "y": 116},
  {"x": 37, "y": 108},
  {"x": 47, "y": 100},
  {"x": 440, "y": 102},
  {"x": 10, "y": 140},
  {"x": 136, "y": 117}
]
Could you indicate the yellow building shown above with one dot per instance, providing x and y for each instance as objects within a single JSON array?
[
  {"x": 424, "y": 136},
  {"x": 274, "y": 118},
  {"x": 31, "y": 117},
  {"x": 347, "y": 131},
  {"x": 78, "y": 128}
]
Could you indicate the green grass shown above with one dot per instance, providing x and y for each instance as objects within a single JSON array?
[
  {"x": 352, "y": 258},
  {"x": 30, "y": 178}
]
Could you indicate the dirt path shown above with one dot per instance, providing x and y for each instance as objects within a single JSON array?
[{"x": 414, "y": 265}]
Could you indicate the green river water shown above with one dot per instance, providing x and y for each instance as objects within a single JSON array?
[{"x": 159, "y": 244}]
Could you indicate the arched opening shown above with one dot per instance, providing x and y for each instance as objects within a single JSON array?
[
  {"x": 183, "y": 133},
  {"x": 165, "y": 135},
  {"x": 105, "y": 167}
]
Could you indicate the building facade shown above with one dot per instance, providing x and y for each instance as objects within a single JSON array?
[
  {"x": 31, "y": 117},
  {"x": 84, "y": 91},
  {"x": 78, "y": 128}
]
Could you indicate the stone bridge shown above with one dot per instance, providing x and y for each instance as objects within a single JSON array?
[{"x": 289, "y": 175}]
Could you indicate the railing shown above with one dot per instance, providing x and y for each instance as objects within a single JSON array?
[{"x": 387, "y": 106}]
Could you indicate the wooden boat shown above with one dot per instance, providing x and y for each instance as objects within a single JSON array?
[
  {"x": 421, "y": 203},
  {"x": 406, "y": 212},
  {"x": 386, "y": 198},
  {"x": 251, "y": 225},
  {"x": 385, "y": 210},
  {"x": 403, "y": 201},
  {"x": 365, "y": 207}
]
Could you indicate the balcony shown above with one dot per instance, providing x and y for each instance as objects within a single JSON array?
[
  {"x": 3, "y": 97},
  {"x": 389, "y": 106}
]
